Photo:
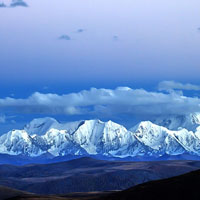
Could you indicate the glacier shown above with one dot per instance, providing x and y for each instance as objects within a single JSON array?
[{"x": 164, "y": 136}]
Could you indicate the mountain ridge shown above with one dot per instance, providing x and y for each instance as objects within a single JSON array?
[{"x": 95, "y": 137}]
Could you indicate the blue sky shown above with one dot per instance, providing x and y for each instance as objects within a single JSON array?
[{"x": 133, "y": 43}]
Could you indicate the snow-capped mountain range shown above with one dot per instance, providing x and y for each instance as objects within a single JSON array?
[{"x": 171, "y": 136}]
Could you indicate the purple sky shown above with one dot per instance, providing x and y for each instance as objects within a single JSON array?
[
  {"x": 155, "y": 40},
  {"x": 110, "y": 43}
]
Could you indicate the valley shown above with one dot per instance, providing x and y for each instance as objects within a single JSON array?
[{"x": 88, "y": 175}]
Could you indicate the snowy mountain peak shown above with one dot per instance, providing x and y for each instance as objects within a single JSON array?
[
  {"x": 18, "y": 142},
  {"x": 144, "y": 125},
  {"x": 113, "y": 124},
  {"x": 18, "y": 134},
  {"x": 150, "y": 134},
  {"x": 40, "y": 126},
  {"x": 176, "y": 122}
]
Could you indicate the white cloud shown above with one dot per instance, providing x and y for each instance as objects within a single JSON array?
[
  {"x": 120, "y": 101},
  {"x": 171, "y": 85}
]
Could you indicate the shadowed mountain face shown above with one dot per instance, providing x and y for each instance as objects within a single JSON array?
[{"x": 87, "y": 174}]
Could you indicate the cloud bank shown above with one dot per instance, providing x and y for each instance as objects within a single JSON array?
[
  {"x": 172, "y": 85},
  {"x": 106, "y": 102}
]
